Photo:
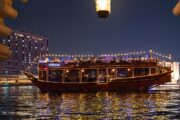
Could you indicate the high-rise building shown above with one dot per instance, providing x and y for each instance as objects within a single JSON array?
[
  {"x": 175, "y": 67},
  {"x": 175, "y": 73},
  {"x": 25, "y": 47}
]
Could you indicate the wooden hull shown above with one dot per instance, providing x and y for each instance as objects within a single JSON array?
[{"x": 127, "y": 84}]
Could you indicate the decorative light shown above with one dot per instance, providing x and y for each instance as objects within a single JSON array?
[
  {"x": 113, "y": 70},
  {"x": 103, "y": 8}
]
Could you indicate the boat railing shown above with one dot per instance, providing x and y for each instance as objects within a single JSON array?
[{"x": 121, "y": 62}]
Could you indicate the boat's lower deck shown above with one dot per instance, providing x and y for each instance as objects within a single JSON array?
[{"x": 129, "y": 84}]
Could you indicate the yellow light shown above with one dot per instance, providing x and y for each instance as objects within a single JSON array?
[
  {"x": 103, "y": 8},
  {"x": 24, "y": 1},
  {"x": 67, "y": 71},
  {"x": 113, "y": 70},
  {"x": 82, "y": 71}
]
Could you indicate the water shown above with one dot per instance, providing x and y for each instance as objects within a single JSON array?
[{"x": 24, "y": 102}]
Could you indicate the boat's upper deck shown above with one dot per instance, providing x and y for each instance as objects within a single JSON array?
[{"x": 99, "y": 63}]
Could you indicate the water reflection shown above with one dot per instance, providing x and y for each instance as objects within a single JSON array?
[{"x": 30, "y": 103}]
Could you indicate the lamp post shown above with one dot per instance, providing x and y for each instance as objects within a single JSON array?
[{"x": 103, "y": 8}]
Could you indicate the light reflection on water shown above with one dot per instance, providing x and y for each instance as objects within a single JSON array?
[{"x": 29, "y": 103}]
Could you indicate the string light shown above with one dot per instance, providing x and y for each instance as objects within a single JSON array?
[{"x": 155, "y": 55}]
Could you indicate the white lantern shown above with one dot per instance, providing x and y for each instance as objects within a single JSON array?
[{"x": 103, "y": 8}]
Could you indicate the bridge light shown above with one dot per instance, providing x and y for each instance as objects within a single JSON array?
[
  {"x": 176, "y": 10},
  {"x": 103, "y": 8}
]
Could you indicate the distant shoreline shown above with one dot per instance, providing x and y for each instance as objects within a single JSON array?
[{"x": 15, "y": 82}]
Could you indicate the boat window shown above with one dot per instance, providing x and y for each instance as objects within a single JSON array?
[
  {"x": 111, "y": 72},
  {"x": 42, "y": 75},
  {"x": 124, "y": 72},
  {"x": 141, "y": 71},
  {"x": 55, "y": 75},
  {"x": 72, "y": 76},
  {"x": 153, "y": 70},
  {"x": 89, "y": 75},
  {"x": 102, "y": 75}
]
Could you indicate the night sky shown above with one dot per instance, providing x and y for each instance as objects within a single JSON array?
[{"x": 73, "y": 27}]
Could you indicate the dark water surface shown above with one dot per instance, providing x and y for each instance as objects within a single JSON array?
[{"x": 29, "y": 103}]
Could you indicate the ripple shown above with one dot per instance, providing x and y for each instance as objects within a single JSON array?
[{"x": 20, "y": 102}]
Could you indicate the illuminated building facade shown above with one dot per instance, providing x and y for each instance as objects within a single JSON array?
[
  {"x": 175, "y": 74},
  {"x": 175, "y": 67},
  {"x": 25, "y": 47}
]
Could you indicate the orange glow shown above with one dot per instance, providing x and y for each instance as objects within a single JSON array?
[
  {"x": 113, "y": 70},
  {"x": 67, "y": 71}
]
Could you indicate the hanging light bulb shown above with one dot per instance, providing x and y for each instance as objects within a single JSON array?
[{"x": 103, "y": 8}]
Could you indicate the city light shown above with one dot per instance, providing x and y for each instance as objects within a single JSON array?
[{"x": 103, "y": 8}]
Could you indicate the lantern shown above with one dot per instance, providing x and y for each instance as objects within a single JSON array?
[{"x": 103, "y": 8}]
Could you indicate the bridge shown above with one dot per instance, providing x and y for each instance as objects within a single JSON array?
[{"x": 133, "y": 55}]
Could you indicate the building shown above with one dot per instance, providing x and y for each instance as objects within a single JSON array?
[
  {"x": 25, "y": 47},
  {"x": 175, "y": 67},
  {"x": 175, "y": 74}
]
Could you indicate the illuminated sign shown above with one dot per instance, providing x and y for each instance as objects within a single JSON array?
[{"x": 54, "y": 65}]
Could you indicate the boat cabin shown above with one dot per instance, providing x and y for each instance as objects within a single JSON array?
[{"x": 95, "y": 71}]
